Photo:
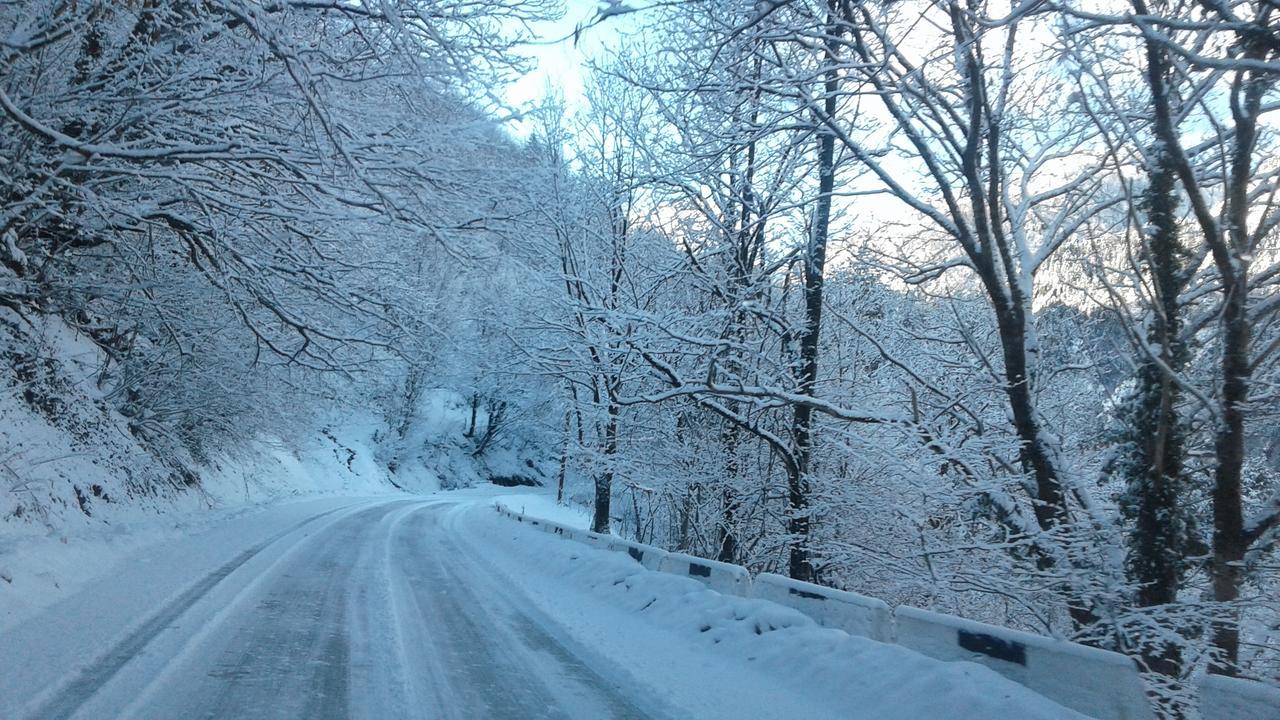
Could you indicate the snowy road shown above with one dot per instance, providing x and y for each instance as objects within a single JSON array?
[
  {"x": 437, "y": 607},
  {"x": 372, "y": 613}
]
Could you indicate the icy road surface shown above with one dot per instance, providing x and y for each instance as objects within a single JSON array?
[
  {"x": 436, "y": 607},
  {"x": 373, "y": 613}
]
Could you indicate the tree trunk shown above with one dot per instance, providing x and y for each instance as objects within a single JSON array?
[
  {"x": 564, "y": 458},
  {"x": 726, "y": 535},
  {"x": 1036, "y": 453},
  {"x": 995, "y": 257},
  {"x": 800, "y": 565},
  {"x": 1229, "y": 541},
  {"x": 604, "y": 481},
  {"x": 475, "y": 406},
  {"x": 1155, "y": 496},
  {"x": 1229, "y": 241}
]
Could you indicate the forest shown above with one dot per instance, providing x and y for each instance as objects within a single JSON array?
[{"x": 971, "y": 305}]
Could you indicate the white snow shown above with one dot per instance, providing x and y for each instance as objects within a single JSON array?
[
  {"x": 717, "y": 656},
  {"x": 47, "y": 633},
  {"x": 1228, "y": 698},
  {"x": 40, "y": 565},
  {"x": 682, "y": 649},
  {"x": 544, "y": 506},
  {"x": 440, "y": 443}
]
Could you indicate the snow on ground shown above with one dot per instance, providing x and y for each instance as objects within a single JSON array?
[
  {"x": 67, "y": 458},
  {"x": 679, "y": 649},
  {"x": 441, "y": 443},
  {"x": 543, "y": 505},
  {"x": 716, "y": 656},
  {"x": 80, "y": 489},
  {"x": 144, "y": 571},
  {"x": 42, "y": 563},
  {"x": 340, "y": 460}
]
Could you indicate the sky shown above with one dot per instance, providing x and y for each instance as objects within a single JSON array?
[{"x": 561, "y": 59}]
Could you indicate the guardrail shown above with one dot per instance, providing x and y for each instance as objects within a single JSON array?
[
  {"x": 721, "y": 577},
  {"x": 1228, "y": 698},
  {"x": 1096, "y": 682},
  {"x": 850, "y": 612},
  {"x": 650, "y": 557}
]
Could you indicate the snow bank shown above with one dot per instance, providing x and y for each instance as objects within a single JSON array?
[
  {"x": 544, "y": 506},
  {"x": 68, "y": 461},
  {"x": 571, "y": 523},
  {"x": 41, "y": 563},
  {"x": 342, "y": 459},
  {"x": 82, "y": 485},
  {"x": 1103, "y": 684},
  {"x": 782, "y": 663}
]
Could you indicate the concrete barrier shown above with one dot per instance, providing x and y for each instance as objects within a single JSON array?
[
  {"x": 721, "y": 577},
  {"x": 850, "y": 612},
  {"x": 1228, "y": 698},
  {"x": 593, "y": 538},
  {"x": 504, "y": 510},
  {"x": 648, "y": 556},
  {"x": 1099, "y": 683},
  {"x": 554, "y": 528},
  {"x": 563, "y": 531},
  {"x": 1096, "y": 682}
]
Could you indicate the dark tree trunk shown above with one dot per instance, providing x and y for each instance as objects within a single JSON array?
[
  {"x": 1153, "y": 462},
  {"x": 475, "y": 406},
  {"x": 995, "y": 258},
  {"x": 727, "y": 537},
  {"x": 799, "y": 525},
  {"x": 564, "y": 458},
  {"x": 1228, "y": 239},
  {"x": 1229, "y": 541},
  {"x": 495, "y": 413},
  {"x": 688, "y": 516},
  {"x": 604, "y": 481}
]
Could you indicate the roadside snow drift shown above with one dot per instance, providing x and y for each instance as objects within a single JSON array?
[{"x": 671, "y": 632}]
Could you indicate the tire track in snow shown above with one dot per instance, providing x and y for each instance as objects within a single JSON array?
[
  {"x": 390, "y": 680},
  {"x": 67, "y": 698},
  {"x": 515, "y": 668},
  {"x": 377, "y": 614}
]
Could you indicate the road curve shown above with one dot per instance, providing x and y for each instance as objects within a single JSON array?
[{"x": 375, "y": 614}]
